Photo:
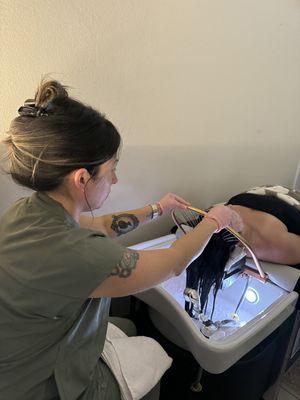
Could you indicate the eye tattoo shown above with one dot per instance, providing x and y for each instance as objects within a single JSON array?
[
  {"x": 126, "y": 264},
  {"x": 124, "y": 223}
]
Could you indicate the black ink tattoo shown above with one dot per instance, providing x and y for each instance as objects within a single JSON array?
[
  {"x": 126, "y": 264},
  {"x": 149, "y": 216},
  {"x": 124, "y": 223}
]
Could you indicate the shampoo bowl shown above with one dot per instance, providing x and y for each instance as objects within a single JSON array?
[{"x": 265, "y": 307}]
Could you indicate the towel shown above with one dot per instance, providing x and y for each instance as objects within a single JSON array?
[{"x": 137, "y": 362}]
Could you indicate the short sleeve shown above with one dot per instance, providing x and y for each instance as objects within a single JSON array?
[{"x": 75, "y": 263}]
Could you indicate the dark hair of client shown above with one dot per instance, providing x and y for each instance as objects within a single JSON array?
[
  {"x": 207, "y": 270},
  {"x": 55, "y": 134}
]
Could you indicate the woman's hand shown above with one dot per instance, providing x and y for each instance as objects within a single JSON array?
[
  {"x": 225, "y": 216},
  {"x": 236, "y": 221},
  {"x": 171, "y": 201}
]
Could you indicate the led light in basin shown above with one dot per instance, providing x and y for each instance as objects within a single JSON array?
[{"x": 252, "y": 295}]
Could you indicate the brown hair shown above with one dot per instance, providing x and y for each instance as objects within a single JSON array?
[{"x": 56, "y": 134}]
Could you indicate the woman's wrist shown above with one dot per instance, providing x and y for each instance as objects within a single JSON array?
[
  {"x": 156, "y": 209},
  {"x": 212, "y": 219},
  {"x": 211, "y": 222}
]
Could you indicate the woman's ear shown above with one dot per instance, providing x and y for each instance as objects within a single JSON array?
[{"x": 81, "y": 178}]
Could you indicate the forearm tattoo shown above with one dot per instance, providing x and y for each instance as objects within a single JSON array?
[
  {"x": 126, "y": 264},
  {"x": 124, "y": 223},
  {"x": 149, "y": 216}
]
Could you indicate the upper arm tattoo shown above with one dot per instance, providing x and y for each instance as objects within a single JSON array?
[
  {"x": 124, "y": 223},
  {"x": 126, "y": 265}
]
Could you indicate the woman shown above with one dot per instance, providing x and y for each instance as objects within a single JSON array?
[
  {"x": 59, "y": 268},
  {"x": 271, "y": 225}
]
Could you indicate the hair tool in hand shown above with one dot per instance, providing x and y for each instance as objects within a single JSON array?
[
  {"x": 207, "y": 271},
  {"x": 191, "y": 216}
]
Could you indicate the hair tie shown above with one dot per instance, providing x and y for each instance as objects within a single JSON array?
[{"x": 30, "y": 110}]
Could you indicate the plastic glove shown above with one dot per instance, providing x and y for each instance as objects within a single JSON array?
[
  {"x": 236, "y": 221},
  {"x": 171, "y": 201},
  {"x": 225, "y": 216}
]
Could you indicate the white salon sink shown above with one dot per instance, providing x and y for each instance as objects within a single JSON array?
[{"x": 268, "y": 308}]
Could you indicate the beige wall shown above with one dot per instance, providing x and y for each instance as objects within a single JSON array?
[{"x": 206, "y": 93}]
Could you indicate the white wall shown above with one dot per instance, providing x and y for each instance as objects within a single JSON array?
[{"x": 206, "y": 93}]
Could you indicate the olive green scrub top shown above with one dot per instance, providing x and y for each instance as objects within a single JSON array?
[{"x": 51, "y": 333}]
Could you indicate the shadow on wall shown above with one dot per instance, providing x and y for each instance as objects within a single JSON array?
[{"x": 203, "y": 175}]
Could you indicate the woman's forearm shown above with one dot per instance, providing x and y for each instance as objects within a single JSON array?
[
  {"x": 120, "y": 223},
  {"x": 192, "y": 244}
]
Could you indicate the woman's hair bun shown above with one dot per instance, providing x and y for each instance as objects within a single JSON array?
[
  {"x": 48, "y": 92},
  {"x": 54, "y": 135}
]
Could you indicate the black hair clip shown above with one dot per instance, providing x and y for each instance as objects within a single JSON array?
[{"x": 30, "y": 110}]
